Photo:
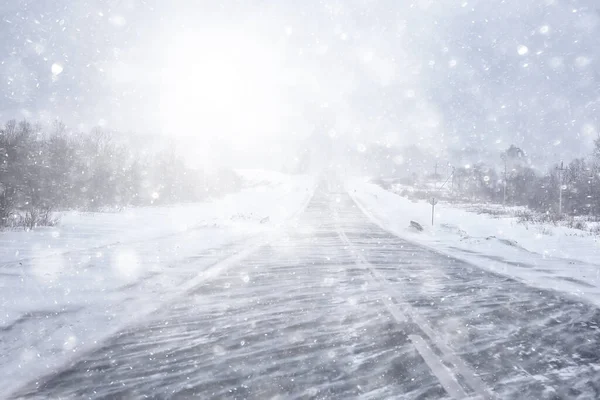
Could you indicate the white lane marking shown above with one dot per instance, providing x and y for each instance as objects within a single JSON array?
[
  {"x": 396, "y": 313},
  {"x": 449, "y": 356},
  {"x": 470, "y": 377},
  {"x": 446, "y": 378},
  {"x": 398, "y": 316}
]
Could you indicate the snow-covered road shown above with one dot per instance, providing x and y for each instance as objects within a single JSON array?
[{"x": 336, "y": 307}]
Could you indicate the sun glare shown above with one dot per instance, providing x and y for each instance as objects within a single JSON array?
[{"x": 219, "y": 86}]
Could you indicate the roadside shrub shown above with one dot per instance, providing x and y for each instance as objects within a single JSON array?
[
  {"x": 493, "y": 212},
  {"x": 595, "y": 230},
  {"x": 35, "y": 217},
  {"x": 524, "y": 217},
  {"x": 544, "y": 230},
  {"x": 576, "y": 224}
]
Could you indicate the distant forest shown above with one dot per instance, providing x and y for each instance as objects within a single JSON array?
[
  {"x": 515, "y": 182},
  {"x": 47, "y": 170}
]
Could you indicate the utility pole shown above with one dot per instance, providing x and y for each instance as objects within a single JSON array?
[{"x": 561, "y": 169}]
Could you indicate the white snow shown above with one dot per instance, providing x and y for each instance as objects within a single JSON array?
[
  {"x": 63, "y": 289},
  {"x": 541, "y": 255},
  {"x": 56, "y": 69},
  {"x": 522, "y": 50}
]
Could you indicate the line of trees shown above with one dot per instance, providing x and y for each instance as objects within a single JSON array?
[
  {"x": 42, "y": 171},
  {"x": 580, "y": 181}
]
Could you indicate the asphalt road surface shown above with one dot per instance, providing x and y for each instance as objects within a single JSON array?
[{"x": 338, "y": 308}]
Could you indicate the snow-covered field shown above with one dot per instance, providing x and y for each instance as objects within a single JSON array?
[
  {"x": 64, "y": 288},
  {"x": 541, "y": 255}
]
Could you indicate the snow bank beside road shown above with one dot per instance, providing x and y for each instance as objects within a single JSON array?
[
  {"x": 546, "y": 256},
  {"x": 62, "y": 289}
]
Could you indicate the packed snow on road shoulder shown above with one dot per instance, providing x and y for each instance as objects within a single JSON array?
[
  {"x": 548, "y": 256},
  {"x": 64, "y": 288}
]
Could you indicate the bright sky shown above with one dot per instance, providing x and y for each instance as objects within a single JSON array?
[{"x": 237, "y": 80}]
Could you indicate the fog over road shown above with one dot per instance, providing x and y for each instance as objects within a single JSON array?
[{"x": 336, "y": 307}]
